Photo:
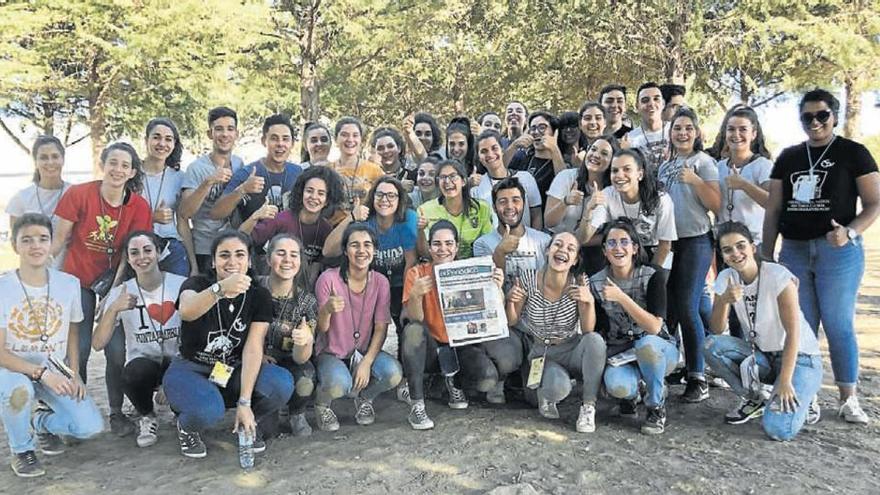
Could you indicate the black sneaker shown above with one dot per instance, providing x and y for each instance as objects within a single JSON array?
[
  {"x": 191, "y": 444},
  {"x": 50, "y": 444},
  {"x": 259, "y": 443},
  {"x": 628, "y": 408},
  {"x": 744, "y": 412},
  {"x": 26, "y": 465},
  {"x": 120, "y": 424},
  {"x": 697, "y": 390},
  {"x": 677, "y": 377},
  {"x": 655, "y": 421}
]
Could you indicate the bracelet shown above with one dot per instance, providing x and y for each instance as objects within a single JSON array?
[
  {"x": 38, "y": 376},
  {"x": 244, "y": 402}
]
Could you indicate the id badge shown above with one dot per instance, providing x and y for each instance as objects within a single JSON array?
[
  {"x": 221, "y": 374},
  {"x": 536, "y": 372},
  {"x": 805, "y": 188},
  {"x": 356, "y": 359}
]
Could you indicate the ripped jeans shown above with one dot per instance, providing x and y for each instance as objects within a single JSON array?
[
  {"x": 335, "y": 380},
  {"x": 656, "y": 357}
]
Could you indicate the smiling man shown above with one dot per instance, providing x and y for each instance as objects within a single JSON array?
[
  {"x": 613, "y": 98},
  {"x": 652, "y": 135}
]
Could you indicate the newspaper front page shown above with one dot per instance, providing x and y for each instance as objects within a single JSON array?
[{"x": 472, "y": 305}]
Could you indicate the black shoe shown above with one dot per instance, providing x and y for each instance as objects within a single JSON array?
[
  {"x": 120, "y": 424},
  {"x": 697, "y": 390},
  {"x": 655, "y": 421},
  {"x": 677, "y": 377},
  {"x": 26, "y": 465},
  {"x": 628, "y": 408},
  {"x": 744, "y": 412},
  {"x": 191, "y": 444}
]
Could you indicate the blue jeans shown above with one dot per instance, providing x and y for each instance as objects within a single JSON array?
[
  {"x": 200, "y": 404},
  {"x": 335, "y": 380},
  {"x": 725, "y": 353},
  {"x": 693, "y": 256},
  {"x": 829, "y": 282},
  {"x": 656, "y": 357},
  {"x": 114, "y": 353},
  {"x": 18, "y": 396},
  {"x": 177, "y": 261}
]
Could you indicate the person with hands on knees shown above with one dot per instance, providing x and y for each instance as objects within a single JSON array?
[
  {"x": 557, "y": 311},
  {"x": 146, "y": 295},
  {"x": 353, "y": 318},
  {"x": 225, "y": 318},
  {"x": 630, "y": 311},
  {"x": 777, "y": 368},
  {"x": 41, "y": 394}
]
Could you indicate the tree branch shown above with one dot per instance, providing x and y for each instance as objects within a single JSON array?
[
  {"x": 14, "y": 137},
  {"x": 768, "y": 99}
]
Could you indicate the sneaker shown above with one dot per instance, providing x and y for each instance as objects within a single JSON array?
[
  {"x": 814, "y": 412},
  {"x": 364, "y": 413},
  {"x": 50, "y": 444},
  {"x": 628, "y": 408},
  {"x": 677, "y": 377},
  {"x": 191, "y": 444},
  {"x": 496, "y": 395},
  {"x": 259, "y": 444},
  {"x": 160, "y": 397},
  {"x": 120, "y": 424},
  {"x": 148, "y": 428},
  {"x": 547, "y": 408},
  {"x": 26, "y": 465},
  {"x": 327, "y": 420},
  {"x": 418, "y": 417},
  {"x": 586, "y": 422},
  {"x": 457, "y": 397},
  {"x": 299, "y": 425},
  {"x": 851, "y": 412},
  {"x": 403, "y": 392},
  {"x": 697, "y": 390},
  {"x": 745, "y": 411},
  {"x": 717, "y": 382},
  {"x": 655, "y": 421}
]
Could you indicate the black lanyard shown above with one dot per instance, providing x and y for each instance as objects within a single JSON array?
[
  {"x": 32, "y": 313},
  {"x": 160, "y": 334}
]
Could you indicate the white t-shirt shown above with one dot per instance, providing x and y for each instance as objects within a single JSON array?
[
  {"x": 35, "y": 199},
  {"x": 25, "y": 323},
  {"x": 532, "y": 199},
  {"x": 653, "y": 228},
  {"x": 154, "y": 315},
  {"x": 745, "y": 209},
  {"x": 773, "y": 279},
  {"x": 559, "y": 189},
  {"x": 529, "y": 254},
  {"x": 164, "y": 187},
  {"x": 653, "y": 144}
]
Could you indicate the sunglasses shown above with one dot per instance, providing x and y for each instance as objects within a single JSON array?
[
  {"x": 822, "y": 116},
  {"x": 613, "y": 243}
]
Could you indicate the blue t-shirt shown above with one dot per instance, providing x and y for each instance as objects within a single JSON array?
[
  {"x": 277, "y": 187},
  {"x": 393, "y": 244}
]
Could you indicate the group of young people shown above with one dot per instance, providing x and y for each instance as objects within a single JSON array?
[{"x": 270, "y": 286}]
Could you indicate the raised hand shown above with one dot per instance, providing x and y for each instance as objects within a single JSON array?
[
  {"x": 509, "y": 242},
  {"x": 612, "y": 292},
  {"x": 163, "y": 214},
  {"x": 268, "y": 210},
  {"x": 734, "y": 291},
  {"x": 516, "y": 294},
  {"x": 125, "y": 301},
  {"x": 575, "y": 196},
  {"x": 302, "y": 335},
  {"x": 524, "y": 141},
  {"x": 359, "y": 212},
  {"x": 597, "y": 198},
  {"x": 254, "y": 183},
  {"x": 220, "y": 176},
  {"x": 235, "y": 284},
  {"x": 334, "y": 303},
  {"x": 422, "y": 286}
]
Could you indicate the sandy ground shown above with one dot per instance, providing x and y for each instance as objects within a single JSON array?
[{"x": 505, "y": 450}]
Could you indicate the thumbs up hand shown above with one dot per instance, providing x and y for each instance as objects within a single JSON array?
[
  {"x": 838, "y": 235},
  {"x": 612, "y": 292},
  {"x": 163, "y": 214},
  {"x": 597, "y": 198},
  {"x": 254, "y": 183},
  {"x": 302, "y": 335},
  {"x": 516, "y": 294},
  {"x": 359, "y": 212},
  {"x": 509, "y": 242},
  {"x": 334, "y": 303},
  {"x": 581, "y": 292},
  {"x": 733, "y": 293},
  {"x": 575, "y": 196},
  {"x": 268, "y": 210},
  {"x": 125, "y": 301}
]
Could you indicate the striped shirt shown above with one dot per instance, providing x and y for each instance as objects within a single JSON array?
[{"x": 545, "y": 319}]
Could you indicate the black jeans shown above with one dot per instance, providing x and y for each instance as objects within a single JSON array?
[{"x": 140, "y": 378}]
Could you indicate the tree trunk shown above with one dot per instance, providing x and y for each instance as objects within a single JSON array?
[
  {"x": 673, "y": 66},
  {"x": 97, "y": 133},
  {"x": 853, "y": 106},
  {"x": 310, "y": 89}
]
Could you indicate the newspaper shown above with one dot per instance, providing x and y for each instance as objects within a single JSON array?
[{"x": 472, "y": 305}]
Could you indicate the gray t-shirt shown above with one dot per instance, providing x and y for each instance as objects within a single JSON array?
[
  {"x": 204, "y": 228},
  {"x": 691, "y": 217},
  {"x": 529, "y": 254},
  {"x": 164, "y": 188}
]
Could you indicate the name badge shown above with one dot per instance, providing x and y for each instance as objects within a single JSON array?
[
  {"x": 221, "y": 374},
  {"x": 536, "y": 372}
]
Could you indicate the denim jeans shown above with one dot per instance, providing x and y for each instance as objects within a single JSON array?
[
  {"x": 18, "y": 396},
  {"x": 581, "y": 356},
  {"x": 200, "y": 404},
  {"x": 725, "y": 353},
  {"x": 114, "y": 352},
  {"x": 140, "y": 378},
  {"x": 829, "y": 280},
  {"x": 656, "y": 357},
  {"x": 335, "y": 380},
  {"x": 304, "y": 383},
  {"x": 693, "y": 256},
  {"x": 482, "y": 366},
  {"x": 177, "y": 262}
]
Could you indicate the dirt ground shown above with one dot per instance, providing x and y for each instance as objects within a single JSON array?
[{"x": 505, "y": 450}]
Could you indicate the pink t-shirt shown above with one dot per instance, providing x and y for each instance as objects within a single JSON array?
[{"x": 361, "y": 313}]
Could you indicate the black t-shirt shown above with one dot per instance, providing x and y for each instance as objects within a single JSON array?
[
  {"x": 834, "y": 186},
  {"x": 206, "y": 340},
  {"x": 540, "y": 168}
]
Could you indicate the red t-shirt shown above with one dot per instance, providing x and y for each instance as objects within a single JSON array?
[{"x": 98, "y": 226}]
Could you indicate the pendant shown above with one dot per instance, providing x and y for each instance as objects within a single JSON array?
[
  {"x": 44, "y": 338},
  {"x": 357, "y": 336},
  {"x": 231, "y": 307},
  {"x": 110, "y": 251}
]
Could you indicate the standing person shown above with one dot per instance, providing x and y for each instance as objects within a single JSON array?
[
  {"x": 592, "y": 121},
  {"x": 295, "y": 313},
  {"x": 572, "y": 188},
  {"x": 691, "y": 178},
  {"x": 490, "y": 154},
  {"x": 515, "y": 114},
  {"x": 204, "y": 182},
  {"x": 483, "y": 366},
  {"x": 537, "y": 152},
  {"x": 147, "y": 295},
  {"x": 29, "y": 340},
  {"x": 94, "y": 219},
  {"x": 813, "y": 206},
  {"x": 357, "y": 174},
  {"x": 353, "y": 319},
  {"x": 613, "y": 98},
  {"x": 225, "y": 317},
  {"x": 651, "y": 136},
  {"x": 389, "y": 146},
  {"x": 569, "y": 137},
  {"x": 744, "y": 176},
  {"x": 780, "y": 342},
  {"x": 630, "y": 312},
  {"x": 163, "y": 181},
  {"x": 489, "y": 121},
  {"x": 673, "y": 99},
  {"x": 426, "y": 183},
  {"x": 424, "y": 129},
  {"x": 471, "y": 217},
  {"x": 460, "y": 146},
  {"x": 558, "y": 315},
  {"x": 316, "y": 145}
]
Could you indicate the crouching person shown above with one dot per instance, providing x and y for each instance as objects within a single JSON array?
[
  {"x": 39, "y": 352},
  {"x": 225, "y": 317}
]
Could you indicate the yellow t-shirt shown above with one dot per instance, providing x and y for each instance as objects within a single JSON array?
[
  {"x": 359, "y": 179},
  {"x": 470, "y": 226}
]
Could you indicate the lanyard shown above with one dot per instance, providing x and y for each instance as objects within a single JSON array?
[
  {"x": 158, "y": 193},
  {"x": 160, "y": 334},
  {"x": 40, "y": 201},
  {"x": 753, "y": 333},
  {"x": 356, "y": 327},
  {"x": 228, "y": 331},
  {"x": 32, "y": 313},
  {"x": 735, "y": 171},
  {"x": 626, "y": 213},
  {"x": 111, "y": 237},
  {"x": 810, "y": 156}
]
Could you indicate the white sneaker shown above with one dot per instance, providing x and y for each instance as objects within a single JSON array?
[
  {"x": 418, "y": 417},
  {"x": 547, "y": 408},
  {"x": 814, "y": 412},
  {"x": 586, "y": 422},
  {"x": 327, "y": 420},
  {"x": 403, "y": 393},
  {"x": 496, "y": 395},
  {"x": 148, "y": 429},
  {"x": 852, "y": 412}
]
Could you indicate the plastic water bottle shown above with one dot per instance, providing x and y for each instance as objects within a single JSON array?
[{"x": 245, "y": 449}]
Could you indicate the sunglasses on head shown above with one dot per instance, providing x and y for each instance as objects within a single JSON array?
[{"x": 822, "y": 116}]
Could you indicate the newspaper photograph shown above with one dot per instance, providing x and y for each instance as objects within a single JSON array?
[{"x": 472, "y": 305}]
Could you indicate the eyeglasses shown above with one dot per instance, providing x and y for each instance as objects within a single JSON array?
[
  {"x": 390, "y": 196},
  {"x": 822, "y": 116},
  {"x": 613, "y": 243},
  {"x": 448, "y": 178},
  {"x": 538, "y": 129}
]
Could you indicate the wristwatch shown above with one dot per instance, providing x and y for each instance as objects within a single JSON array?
[
  {"x": 244, "y": 402},
  {"x": 216, "y": 290},
  {"x": 851, "y": 233}
]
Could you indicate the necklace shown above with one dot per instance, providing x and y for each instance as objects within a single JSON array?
[
  {"x": 356, "y": 326},
  {"x": 52, "y": 201},
  {"x": 228, "y": 331},
  {"x": 307, "y": 247},
  {"x": 108, "y": 237},
  {"x": 32, "y": 314},
  {"x": 160, "y": 334},
  {"x": 810, "y": 156}
]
